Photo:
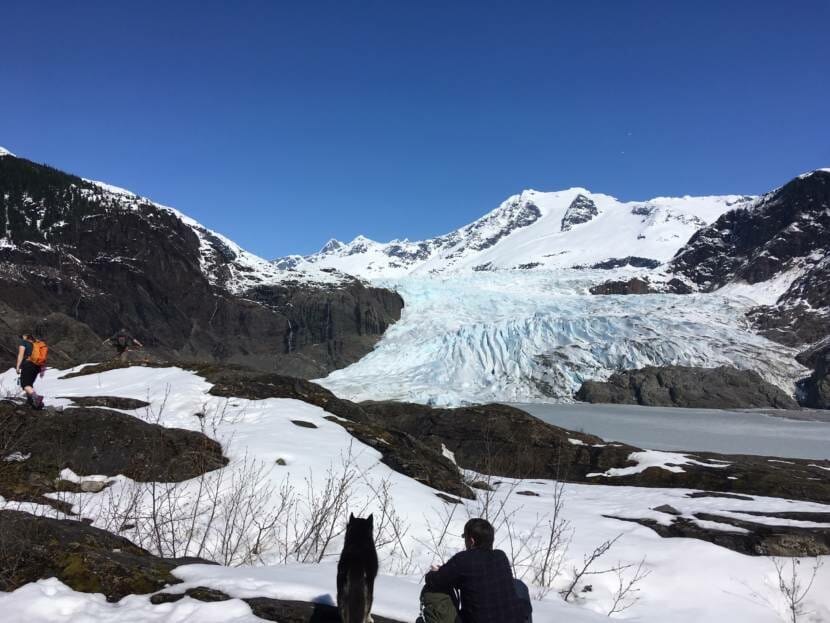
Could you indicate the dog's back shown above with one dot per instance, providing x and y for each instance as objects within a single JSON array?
[{"x": 356, "y": 571}]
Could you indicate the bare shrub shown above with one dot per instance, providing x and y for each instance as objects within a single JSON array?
[
  {"x": 795, "y": 583},
  {"x": 438, "y": 533},
  {"x": 626, "y": 593}
]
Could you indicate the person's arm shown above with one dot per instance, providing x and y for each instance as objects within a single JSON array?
[
  {"x": 21, "y": 352},
  {"x": 446, "y": 577}
]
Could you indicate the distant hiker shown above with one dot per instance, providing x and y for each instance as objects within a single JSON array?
[
  {"x": 356, "y": 571},
  {"x": 122, "y": 340},
  {"x": 31, "y": 361},
  {"x": 479, "y": 580}
]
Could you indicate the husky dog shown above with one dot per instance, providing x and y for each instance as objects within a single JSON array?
[{"x": 356, "y": 571}]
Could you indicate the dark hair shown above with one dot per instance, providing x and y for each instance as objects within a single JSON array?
[{"x": 481, "y": 532}]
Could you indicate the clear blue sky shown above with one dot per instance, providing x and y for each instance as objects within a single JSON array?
[{"x": 282, "y": 124}]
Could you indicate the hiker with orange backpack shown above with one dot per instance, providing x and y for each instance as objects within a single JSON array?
[{"x": 31, "y": 361}]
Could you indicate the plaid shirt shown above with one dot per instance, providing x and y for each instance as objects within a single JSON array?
[{"x": 485, "y": 582}]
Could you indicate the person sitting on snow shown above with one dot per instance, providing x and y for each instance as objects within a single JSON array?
[{"x": 474, "y": 586}]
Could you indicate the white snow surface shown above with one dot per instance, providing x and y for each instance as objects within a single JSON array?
[
  {"x": 529, "y": 336},
  {"x": 690, "y": 580},
  {"x": 669, "y": 461},
  {"x": 5, "y": 152},
  {"x": 765, "y": 292},
  {"x": 527, "y": 230}
]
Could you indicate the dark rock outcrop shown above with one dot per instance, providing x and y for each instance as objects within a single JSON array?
[
  {"x": 91, "y": 560},
  {"x": 746, "y": 536},
  {"x": 681, "y": 386},
  {"x": 94, "y": 441},
  {"x": 581, "y": 210},
  {"x": 816, "y": 388},
  {"x": 84, "y": 558},
  {"x": 631, "y": 260},
  {"x": 786, "y": 230},
  {"x": 268, "y": 608},
  {"x": 641, "y": 285},
  {"x": 755, "y": 243},
  {"x": 109, "y": 402},
  {"x": 82, "y": 261}
]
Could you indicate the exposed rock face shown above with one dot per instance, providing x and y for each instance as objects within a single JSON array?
[
  {"x": 816, "y": 388},
  {"x": 84, "y": 558},
  {"x": 109, "y": 402},
  {"x": 753, "y": 244},
  {"x": 751, "y": 538},
  {"x": 631, "y": 260},
  {"x": 786, "y": 230},
  {"x": 637, "y": 285},
  {"x": 95, "y": 441},
  {"x": 580, "y": 211},
  {"x": 681, "y": 386},
  {"x": 268, "y": 608},
  {"x": 79, "y": 262}
]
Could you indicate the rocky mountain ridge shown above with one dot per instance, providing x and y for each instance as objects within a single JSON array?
[
  {"x": 79, "y": 259},
  {"x": 533, "y": 230}
]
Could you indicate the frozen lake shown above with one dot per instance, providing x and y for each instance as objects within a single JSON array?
[{"x": 802, "y": 434}]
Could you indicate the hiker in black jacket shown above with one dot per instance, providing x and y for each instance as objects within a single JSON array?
[
  {"x": 122, "y": 340},
  {"x": 482, "y": 579}
]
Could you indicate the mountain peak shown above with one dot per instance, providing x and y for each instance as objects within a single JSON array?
[
  {"x": 332, "y": 245},
  {"x": 361, "y": 239},
  {"x": 5, "y": 152},
  {"x": 801, "y": 177}
]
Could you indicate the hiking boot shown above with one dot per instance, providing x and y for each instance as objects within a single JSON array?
[{"x": 36, "y": 401}]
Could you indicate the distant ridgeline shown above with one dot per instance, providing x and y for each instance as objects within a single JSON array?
[{"x": 79, "y": 259}]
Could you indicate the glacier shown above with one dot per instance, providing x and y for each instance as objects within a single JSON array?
[{"x": 535, "y": 336}]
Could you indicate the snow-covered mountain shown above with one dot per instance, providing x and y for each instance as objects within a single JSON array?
[
  {"x": 535, "y": 334},
  {"x": 80, "y": 258},
  {"x": 224, "y": 263},
  {"x": 535, "y": 230}
]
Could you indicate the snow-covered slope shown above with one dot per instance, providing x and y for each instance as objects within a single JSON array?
[
  {"x": 573, "y": 227},
  {"x": 689, "y": 580},
  {"x": 5, "y": 152}
]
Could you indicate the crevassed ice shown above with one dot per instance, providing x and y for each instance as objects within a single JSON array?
[{"x": 517, "y": 336}]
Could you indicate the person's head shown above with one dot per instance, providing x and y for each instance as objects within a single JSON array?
[
  {"x": 29, "y": 337},
  {"x": 478, "y": 534}
]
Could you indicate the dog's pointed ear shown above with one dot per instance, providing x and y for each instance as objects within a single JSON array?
[
  {"x": 371, "y": 519},
  {"x": 351, "y": 516}
]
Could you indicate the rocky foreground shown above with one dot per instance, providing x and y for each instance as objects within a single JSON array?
[
  {"x": 683, "y": 386},
  {"x": 424, "y": 443}
]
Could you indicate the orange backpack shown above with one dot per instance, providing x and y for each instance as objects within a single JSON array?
[{"x": 40, "y": 351}]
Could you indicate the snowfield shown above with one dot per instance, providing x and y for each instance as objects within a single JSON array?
[
  {"x": 689, "y": 580},
  {"x": 529, "y": 336},
  {"x": 539, "y": 230}
]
